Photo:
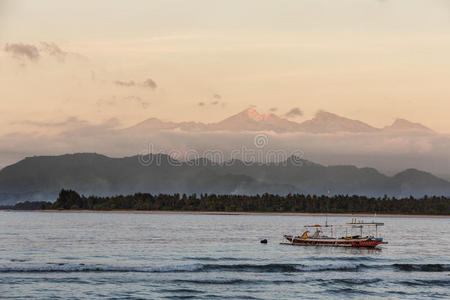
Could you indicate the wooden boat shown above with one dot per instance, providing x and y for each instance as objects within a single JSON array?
[{"x": 370, "y": 240}]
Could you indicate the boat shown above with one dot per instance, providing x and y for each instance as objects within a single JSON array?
[{"x": 339, "y": 235}]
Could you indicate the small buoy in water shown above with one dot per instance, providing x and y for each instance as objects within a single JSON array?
[{"x": 264, "y": 241}]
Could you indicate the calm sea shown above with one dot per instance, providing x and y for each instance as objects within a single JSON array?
[{"x": 164, "y": 256}]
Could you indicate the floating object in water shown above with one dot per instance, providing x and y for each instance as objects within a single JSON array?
[
  {"x": 348, "y": 240},
  {"x": 264, "y": 241}
]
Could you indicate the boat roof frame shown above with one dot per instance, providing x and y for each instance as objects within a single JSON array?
[{"x": 353, "y": 225}]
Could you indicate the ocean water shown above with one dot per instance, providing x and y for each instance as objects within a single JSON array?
[{"x": 182, "y": 256}]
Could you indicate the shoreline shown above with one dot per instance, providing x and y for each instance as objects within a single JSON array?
[{"x": 170, "y": 212}]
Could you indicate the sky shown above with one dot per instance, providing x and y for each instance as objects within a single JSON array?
[{"x": 120, "y": 62}]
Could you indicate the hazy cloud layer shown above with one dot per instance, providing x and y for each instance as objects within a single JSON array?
[
  {"x": 389, "y": 153},
  {"x": 71, "y": 121},
  {"x": 92, "y": 129}
]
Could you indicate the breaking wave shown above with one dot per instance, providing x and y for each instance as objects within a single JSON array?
[{"x": 253, "y": 268}]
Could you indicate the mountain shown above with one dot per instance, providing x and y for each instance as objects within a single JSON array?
[
  {"x": 325, "y": 122},
  {"x": 154, "y": 124},
  {"x": 41, "y": 178},
  {"x": 250, "y": 120},
  {"x": 247, "y": 120},
  {"x": 411, "y": 180},
  {"x": 402, "y": 125}
]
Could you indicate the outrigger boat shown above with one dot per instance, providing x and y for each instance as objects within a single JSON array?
[{"x": 318, "y": 238}]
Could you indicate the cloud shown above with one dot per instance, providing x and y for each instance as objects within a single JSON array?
[
  {"x": 125, "y": 83},
  {"x": 53, "y": 50},
  {"x": 33, "y": 52},
  {"x": 387, "y": 152},
  {"x": 212, "y": 103},
  {"x": 107, "y": 102},
  {"x": 294, "y": 112},
  {"x": 148, "y": 83},
  {"x": 87, "y": 128},
  {"x": 19, "y": 50},
  {"x": 138, "y": 100},
  {"x": 71, "y": 121},
  {"x": 73, "y": 124},
  {"x": 114, "y": 100}
]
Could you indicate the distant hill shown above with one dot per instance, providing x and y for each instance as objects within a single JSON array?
[{"x": 40, "y": 178}]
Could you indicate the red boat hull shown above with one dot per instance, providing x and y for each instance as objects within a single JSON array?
[{"x": 363, "y": 243}]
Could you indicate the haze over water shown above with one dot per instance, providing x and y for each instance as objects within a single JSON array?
[{"x": 173, "y": 256}]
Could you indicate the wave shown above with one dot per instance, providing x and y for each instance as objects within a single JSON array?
[
  {"x": 61, "y": 267},
  {"x": 352, "y": 281},
  {"x": 206, "y": 258},
  {"x": 253, "y": 268},
  {"x": 426, "y": 282},
  {"x": 423, "y": 267},
  {"x": 232, "y": 281},
  {"x": 311, "y": 258},
  {"x": 349, "y": 258}
]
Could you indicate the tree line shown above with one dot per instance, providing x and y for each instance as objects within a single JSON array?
[{"x": 69, "y": 199}]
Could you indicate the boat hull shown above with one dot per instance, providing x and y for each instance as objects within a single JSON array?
[{"x": 359, "y": 243}]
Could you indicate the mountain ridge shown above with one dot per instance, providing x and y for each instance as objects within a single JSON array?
[
  {"x": 40, "y": 178},
  {"x": 251, "y": 120}
]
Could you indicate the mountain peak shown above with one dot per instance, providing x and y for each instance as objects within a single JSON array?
[
  {"x": 254, "y": 115},
  {"x": 325, "y": 115},
  {"x": 251, "y": 120},
  {"x": 326, "y": 122},
  {"x": 405, "y": 125},
  {"x": 152, "y": 124}
]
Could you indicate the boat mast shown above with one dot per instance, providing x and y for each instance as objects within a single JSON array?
[{"x": 328, "y": 204}]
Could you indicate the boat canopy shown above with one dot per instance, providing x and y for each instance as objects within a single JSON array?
[{"x": 352, "y": 224}]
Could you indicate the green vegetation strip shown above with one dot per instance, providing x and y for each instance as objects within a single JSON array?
[{"x": 69, "y": 199}]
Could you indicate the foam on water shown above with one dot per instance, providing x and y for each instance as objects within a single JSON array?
[{"x": 252, "y": 268}]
